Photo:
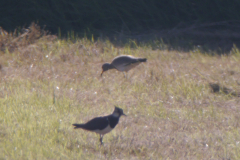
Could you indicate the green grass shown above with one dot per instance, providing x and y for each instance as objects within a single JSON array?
[{"x": 172, "y": 113}]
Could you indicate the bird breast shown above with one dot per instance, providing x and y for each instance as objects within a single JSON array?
[
  {"x": 126, "y": 66},
  {"x": 104, "y": 131}
]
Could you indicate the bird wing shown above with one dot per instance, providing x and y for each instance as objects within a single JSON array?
[
  {"x": 97, "y": 123},
  {"x": 123, "y": 61}
]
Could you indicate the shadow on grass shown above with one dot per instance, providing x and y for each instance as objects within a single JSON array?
[{"x": 210, "y": 38}]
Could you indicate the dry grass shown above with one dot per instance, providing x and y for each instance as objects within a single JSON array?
[{"x": 47, "y": 85}]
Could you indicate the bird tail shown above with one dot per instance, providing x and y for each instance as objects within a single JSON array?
[
  {"x": 78, "y": 126},
  {"x": 142, "y": 59}
]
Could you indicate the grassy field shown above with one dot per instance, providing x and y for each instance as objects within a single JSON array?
[{"x": 48, "y": 83}]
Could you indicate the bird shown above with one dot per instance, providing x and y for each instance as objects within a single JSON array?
[
  {"x": 123, "y": 63},
  {"x": 102, "y": 125}
]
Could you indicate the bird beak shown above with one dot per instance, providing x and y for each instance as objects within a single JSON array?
[
  {"x": 124, "y": 114},
  {"x": 101, "y": 73}
]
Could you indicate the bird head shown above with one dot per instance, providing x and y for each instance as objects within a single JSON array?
[
  {"x": 118, "y": 112},
  {"x": 105, "y": 67}
]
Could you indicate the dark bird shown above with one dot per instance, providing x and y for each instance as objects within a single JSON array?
[
  {"x": 102, "y": 125},
  {"x": 123, "y": 63}
]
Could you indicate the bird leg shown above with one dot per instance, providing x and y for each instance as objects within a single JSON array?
[
  {"x": 101, "y": 138},
  {"x": 125, "y": 75}
]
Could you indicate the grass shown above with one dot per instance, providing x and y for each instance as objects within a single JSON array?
[{"x": 46, "y": 85}]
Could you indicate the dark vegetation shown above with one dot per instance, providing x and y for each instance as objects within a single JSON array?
[{"x": 209, "y": 24}]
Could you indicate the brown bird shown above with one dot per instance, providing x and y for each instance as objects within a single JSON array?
[{"x": 123, "y": 63}]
